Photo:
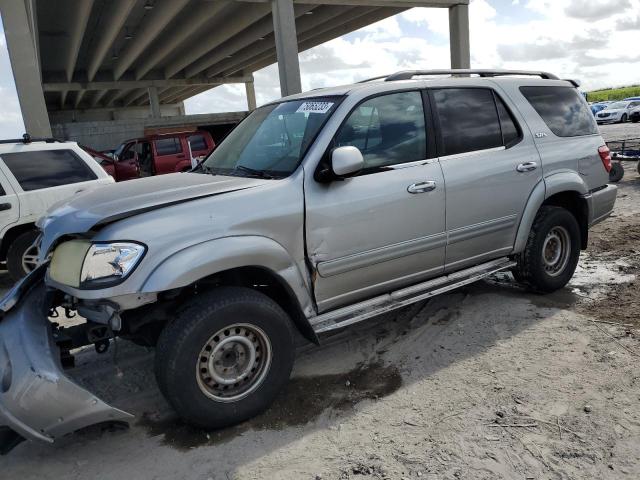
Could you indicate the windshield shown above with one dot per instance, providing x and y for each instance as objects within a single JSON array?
[
  {"x": 617, "y": 105},
  {"x": 271, "y": 142}
]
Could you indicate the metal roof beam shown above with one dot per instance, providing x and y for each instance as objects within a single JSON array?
[
  {"x": 257, "y": 31},
  {"x": 127, "y": 84},
  {"x": 379, "y": 3},
  {"x": 159, "y": 18},
  {"x": 196, "y": 19},
  {"x": 118, "y": 12},
  {"x": 232, "y": 24}
]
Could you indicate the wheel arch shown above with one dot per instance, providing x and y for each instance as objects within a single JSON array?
[
  {"x": 565, "y": 190},
  {"x": 11, "y": 234},
  {"x": 250, "y": 261}
]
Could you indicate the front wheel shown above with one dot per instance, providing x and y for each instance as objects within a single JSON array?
[
  {"x": 624, "y": 118},
  {"x": 552, "y": 251},
  {"x": 226, "y": 357}
]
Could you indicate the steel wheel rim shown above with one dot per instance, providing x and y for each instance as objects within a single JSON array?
[
  {"x": 556, "y": 250},
  {"x": 30, "y": 258},
  {"x": 233, "y": 362}
]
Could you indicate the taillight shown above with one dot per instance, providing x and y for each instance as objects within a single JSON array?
[{"x": 605, "y": 156}]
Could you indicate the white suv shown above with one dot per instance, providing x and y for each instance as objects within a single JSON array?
[{"x": 35, "y": 174}]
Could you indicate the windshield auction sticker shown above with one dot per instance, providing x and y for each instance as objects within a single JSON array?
[{"x": 314, "y": 107}]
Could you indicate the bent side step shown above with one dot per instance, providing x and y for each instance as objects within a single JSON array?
[{"x": 358, "y": 312}]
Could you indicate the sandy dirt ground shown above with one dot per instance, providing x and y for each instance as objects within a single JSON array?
[{"x": 489, "y": 382}]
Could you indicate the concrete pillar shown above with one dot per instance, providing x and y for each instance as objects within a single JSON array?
[
  {"x": 23, "y": 54},
  {"x": 284, "y": 30},
  {"x": 251, "y": 95},
  {"x": 459, "y": 36},
  {"x": 154, "y": 102}
]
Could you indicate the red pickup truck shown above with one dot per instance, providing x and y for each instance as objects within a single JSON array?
[{"x": 159, "y": 154}]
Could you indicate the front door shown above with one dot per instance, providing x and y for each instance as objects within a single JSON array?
[
  {"x": 384, "y": 228},
  {"x": 490, "y": 168}
]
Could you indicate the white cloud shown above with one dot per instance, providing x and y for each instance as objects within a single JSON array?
[{"x": 11, "y": 125}]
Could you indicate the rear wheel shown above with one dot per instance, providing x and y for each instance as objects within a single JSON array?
[
  {"x": 22, "y": 256},
  {"x": 616, "y": 173},
  {"x": 225, "y": 357},
  {"x": 552, "y": 251}
]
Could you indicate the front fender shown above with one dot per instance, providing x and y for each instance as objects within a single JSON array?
[{"x": 199, "y": 261}]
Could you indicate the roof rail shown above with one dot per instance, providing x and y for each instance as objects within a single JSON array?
[
  {"x": 409, "y": 74},
  {"x": 26, "y": 138}
]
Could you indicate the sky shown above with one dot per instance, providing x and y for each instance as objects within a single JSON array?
[{"x": 594, "y": 41}]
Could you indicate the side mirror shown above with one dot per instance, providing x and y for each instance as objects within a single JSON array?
[{"x": 346, "y": 161}]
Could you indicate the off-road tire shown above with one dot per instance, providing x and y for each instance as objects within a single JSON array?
[
  {"x": 180, "y": 347},
  {"x": 616, "y": 173},
  {"x": 530, "y": 269},
  {"x": 16, "y": 250}
]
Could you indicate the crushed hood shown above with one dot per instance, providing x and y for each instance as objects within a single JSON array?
[{"x": 114, "y": 202}]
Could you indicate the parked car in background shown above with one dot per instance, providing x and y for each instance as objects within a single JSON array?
[
  {"x": 119, "y": 170},
  {"x": 617, "y": 112},
  {"x": 34, "y": 176},
  {"x": 634, "y": 115},
  {"x": 320, "y": 210},
  {"x": 167, "y": 152},
  {"x": 596, "y": 107},
  {"x": 632, "y": 98}
]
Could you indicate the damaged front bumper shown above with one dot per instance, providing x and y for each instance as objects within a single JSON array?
[{"x": 37, "y": 400}]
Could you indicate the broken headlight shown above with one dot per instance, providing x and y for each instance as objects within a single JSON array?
[{"x": 84, "y": 264}]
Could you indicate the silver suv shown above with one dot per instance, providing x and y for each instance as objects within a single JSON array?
[{"x": 318, "y": 211}]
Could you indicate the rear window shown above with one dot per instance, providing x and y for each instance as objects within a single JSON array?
[
  {"x": 197, "y": 142},
  {"x": 562, "y": 109},
  {"x": 468, "y": 120},
  {"x": 168, "y": 146},
  {"x": 47, "y": 168}
]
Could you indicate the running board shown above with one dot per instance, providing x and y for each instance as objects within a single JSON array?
[{"x": 358, "y": 312}]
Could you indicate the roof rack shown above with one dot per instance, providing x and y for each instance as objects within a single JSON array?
[
  {"x": 26, "y": 138},
  {"x": 409, "y": 74}
]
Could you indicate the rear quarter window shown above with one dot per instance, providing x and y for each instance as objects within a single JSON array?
[
  {"x": 47, "y": 168},
  {"x": 562, "y": 109},
  {"x": 168, "y": 146}
]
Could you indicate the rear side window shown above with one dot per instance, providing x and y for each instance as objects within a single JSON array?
[
  {"x": 508, "y": 125},
  {"x": 197, "y": 142},
  {"x": 168, "y": 146},
  {"x": 468, "y": 120},
  {"x": 47, "y": 168},
  {"x": 562, "y": 109}
]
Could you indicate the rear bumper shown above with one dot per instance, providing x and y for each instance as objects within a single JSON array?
[
  {"x": 37, "y": 400},
  {"x": 601, "y": 203}
]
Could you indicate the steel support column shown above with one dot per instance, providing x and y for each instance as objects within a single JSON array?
[
  {"x": 154, "y": 102},
  {"x": 284, "y": 29},
  {"x": 459, "y": 36},
  {"x": 250, "y": 88},
  {"x": 26, "y": 69}
]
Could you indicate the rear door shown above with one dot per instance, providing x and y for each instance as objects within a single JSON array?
[
  {"x": 168, "y": 153},
  {"x": 44, "y": 177},
  {"x": 9, "y": 203},
  {"x": 490, "y": 168}
]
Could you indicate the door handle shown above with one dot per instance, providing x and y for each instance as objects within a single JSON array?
[
  {"x": 422, "y": 187},
  {"x": 527, "y": 166},
  {"x": 5, "y": 206}
]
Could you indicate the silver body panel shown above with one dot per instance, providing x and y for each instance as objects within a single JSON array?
[
  {"x": 37, "y": 400},
  {"x": 345, "y": 249}
]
